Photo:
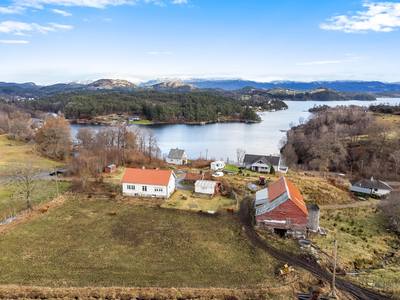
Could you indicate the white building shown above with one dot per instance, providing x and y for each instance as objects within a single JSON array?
[
  {"x": 263, "y": 163},
  {"x": 217, "y": 165},
  {"x": 371, "y": 186},
  {"x": 148, "y": 183},
  {"x": 206, "y": 187},
  {"x": 177, "y": 157}
]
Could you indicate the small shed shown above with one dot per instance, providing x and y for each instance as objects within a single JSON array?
[
  {"x": 313, "y": 217},
  {"x": 110, "y": 168},
  {"x": 207, "y": 187}
]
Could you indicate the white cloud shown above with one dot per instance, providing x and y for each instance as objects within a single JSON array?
[
  {"x": 179, "y": 2},
  {"x": 11, "y": 10},
  {"x": 17, "y": 28},
  {"x": 13, "y": 42},
  {"x": 60, "y": 26},
  {"x": 153, "y": 53},
  {"x": 380, "y": 17},
  {"x": 87, "y": 3},
  {"x": 326, "y": 62},
  {"x": 61, "y": 12}
]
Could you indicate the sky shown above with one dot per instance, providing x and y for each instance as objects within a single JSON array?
[{"x": 50, "y": 41}]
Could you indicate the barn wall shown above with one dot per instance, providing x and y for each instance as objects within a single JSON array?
[{"x": 277, "y": 217}]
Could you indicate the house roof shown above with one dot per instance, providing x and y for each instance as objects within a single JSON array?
[
  {"x": 372, "y": 184},
  {"x": 267, "y": 159},
  {"x": 147, "y": 176},
  {"x": 194, "y": 176},
  {"x": 176, "y": 153},
  {"x": 278, "y": 193},
  {"x": 111, "y": 166},
  {"x": 205, "y": 183}
]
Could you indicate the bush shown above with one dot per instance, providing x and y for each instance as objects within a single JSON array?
[{"x": 272, "y": 170}]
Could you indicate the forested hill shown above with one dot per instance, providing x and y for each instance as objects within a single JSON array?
[{"x": 155, "y": 106}]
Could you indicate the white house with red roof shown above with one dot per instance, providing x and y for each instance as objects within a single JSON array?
[
  {"x": 148, "y": 183},
  {"x": 281, "y": 207}
]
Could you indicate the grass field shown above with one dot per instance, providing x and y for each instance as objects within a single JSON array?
[
  {"x": 142, "y": 122},
  {"x": 117, "y": 175},
  {"x": 204, "y": 204},
  {"x": 12, "y": 202},
  {"x": 12, "y": 151},
  {"x": 78, "y": 243}
]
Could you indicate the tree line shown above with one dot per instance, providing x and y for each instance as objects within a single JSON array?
[
  {"x": 155, "y": 106},
  {"x": 345, "y": 139}
]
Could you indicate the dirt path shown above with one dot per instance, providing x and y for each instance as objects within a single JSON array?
[
  {"x": 308, "y": 265},
  {"x": 361, "y": 204}
]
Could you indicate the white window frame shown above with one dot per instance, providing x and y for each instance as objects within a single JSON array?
[{"x": 144, "y": 188}]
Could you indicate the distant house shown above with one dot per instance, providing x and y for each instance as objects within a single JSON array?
[
  {"x": 193, "y": 177},
  {"x": 177, "y": 157},
  {"x": 207, "y": 187},
  {"x": 148, "y": 183},
  {"x": 217, "y": 165},
  {"x": 263, "y": 163},
  {"x": 370, "y": 187},
  {"x": 134, "y": 118},
  {"x": 110, "y": 169},
  {"x": 281, "y": 208}
]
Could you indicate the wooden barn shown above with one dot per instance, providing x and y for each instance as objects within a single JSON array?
[
  {"x": 110, "y": 169},
  {"x": 281, "y": 208},
  {"x": 193, "y": 177}
]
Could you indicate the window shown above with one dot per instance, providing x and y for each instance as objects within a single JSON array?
[
  {"x": 158, "y": 189},
  {"x": 144, "y": 188},
  {"x": 130, "y": 187}
]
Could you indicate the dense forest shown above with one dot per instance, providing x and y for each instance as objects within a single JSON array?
[
  {"x": 322, "y": 94},
  {"x": 345, "y": 139},
  {"x": 155, "y": 106}
]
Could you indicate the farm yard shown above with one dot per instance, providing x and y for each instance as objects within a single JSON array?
[{"x": 78, "y": 243}]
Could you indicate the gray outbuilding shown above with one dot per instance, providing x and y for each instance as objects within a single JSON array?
[{"x": 313, "y": 218}]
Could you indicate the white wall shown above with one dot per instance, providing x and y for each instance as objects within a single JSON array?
[
  {"x": 167, "y": 190},
  {"x": 204, "y": 190}
]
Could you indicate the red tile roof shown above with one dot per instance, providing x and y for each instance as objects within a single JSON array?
[
  {"x": 147, "y": 176},
  {"x": 284, "y": 185},
  {"x": 193, "y": 176}
]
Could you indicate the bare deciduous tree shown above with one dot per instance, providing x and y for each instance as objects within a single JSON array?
[
  {"x": 391, "y": 210},
  {"x": 240, "y": 153},
  {"x": 26, "y": 177},
  {"x": 395, "y": 157}
]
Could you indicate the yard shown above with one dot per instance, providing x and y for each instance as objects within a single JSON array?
[
  {"x": 78, "y": 243},
  {"x": 197, "y": 203},
  {"x": 12, "y": 151}
]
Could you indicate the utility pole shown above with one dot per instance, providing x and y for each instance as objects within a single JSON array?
[
  {"x": 362, "y": 164},
  {"x": 333, "y": 293},
  {"x": 55, "y": 171},
  {"x": 206, "y": 153}
]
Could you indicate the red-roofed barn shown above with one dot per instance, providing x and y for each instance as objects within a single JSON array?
[
  {"x": 281, "y": 207},
  {"x": 148, "y": 183}
]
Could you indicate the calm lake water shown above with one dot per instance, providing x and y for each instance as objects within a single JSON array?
[{"x": 221, "y": 140}]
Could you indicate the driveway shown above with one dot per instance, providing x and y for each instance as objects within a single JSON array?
[{"x": 180, "y": 175}]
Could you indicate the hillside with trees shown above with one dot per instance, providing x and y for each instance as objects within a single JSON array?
[
  {"x": 345, "y": 139},
  {"x": 155, "y": 106}
]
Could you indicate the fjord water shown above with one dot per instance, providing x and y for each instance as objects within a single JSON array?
[{"x": 220, "y": 140}]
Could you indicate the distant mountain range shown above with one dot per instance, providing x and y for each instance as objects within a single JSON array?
[
  {"x": 338, "y": 85},
  {"x": 193, "y": 83}
]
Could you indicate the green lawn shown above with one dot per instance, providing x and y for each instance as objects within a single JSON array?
[
  {"x": 140, "y": 122},
  {"x": 12, "y": 202},
  {"x": 80, "y": 244},
  {"x": 235, "y": 169}
]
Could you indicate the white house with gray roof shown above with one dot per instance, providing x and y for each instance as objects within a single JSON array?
[
  {"x": 177, "y": 157},
  {"x": 370, "y": 186},
  {"x": 263, "y": 163}
]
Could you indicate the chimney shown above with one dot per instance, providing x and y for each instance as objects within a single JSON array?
[{"x": 372, "y": 178}]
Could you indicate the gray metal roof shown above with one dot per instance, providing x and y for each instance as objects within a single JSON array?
[
  {"x": 267, "y": 159},
  {"x": 176, "y": 153},
  {"x": 360, "y": 189},
  {"x": 311, "y": 207},
  {"x": 267, "y": 207},
  {"x": 372, "y": 184},
  {"x": 261, "y": 197},
  {"x": 111, "y": 166},
  {"x": 205, "y": 183}
]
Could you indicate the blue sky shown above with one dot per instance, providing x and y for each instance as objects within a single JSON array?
[{"x": 48, "y": 41}]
